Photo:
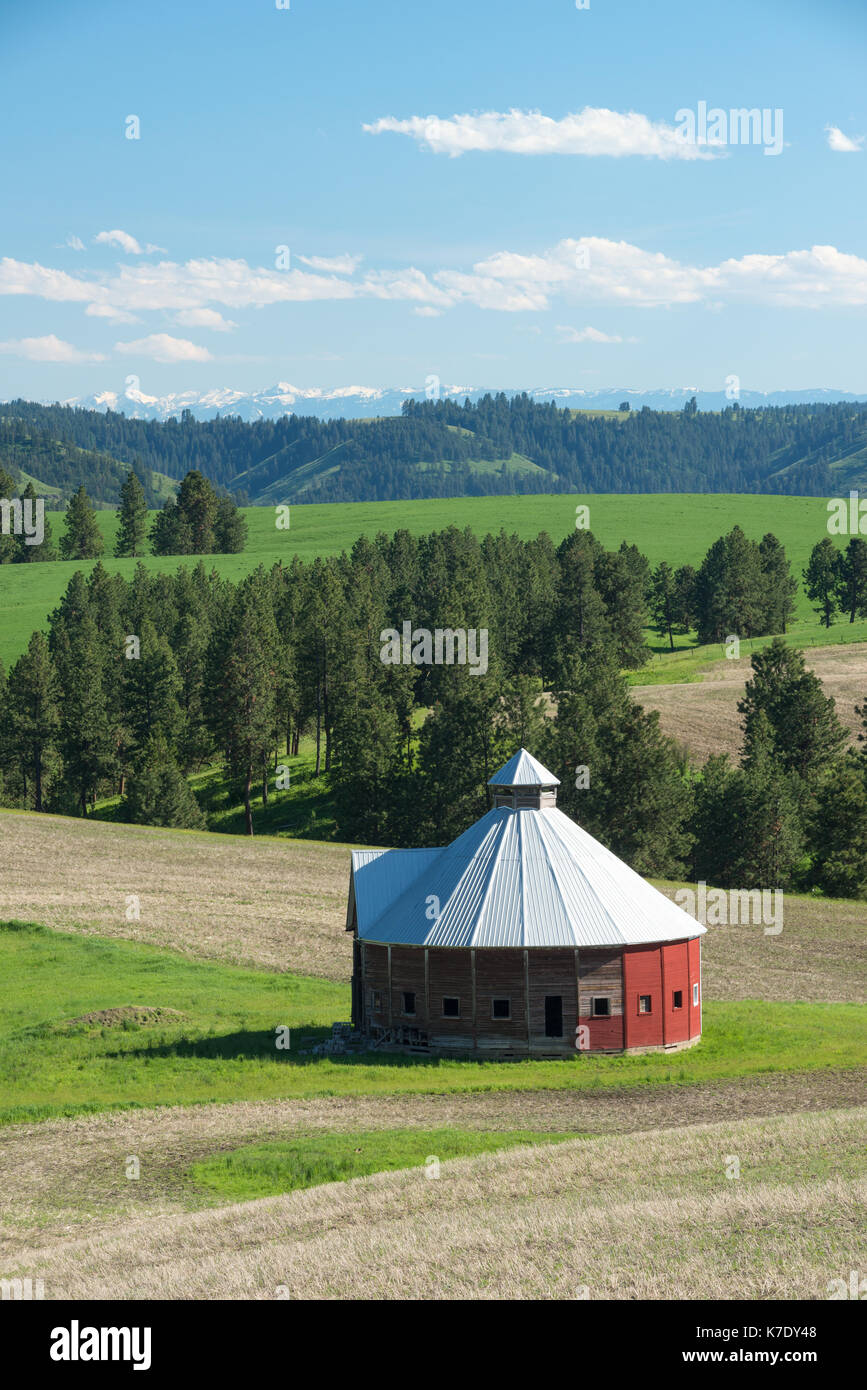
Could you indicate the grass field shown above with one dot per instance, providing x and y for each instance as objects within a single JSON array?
[
  {"x": 88, "y": 1023},
  {"x": 665, "y": 526}
]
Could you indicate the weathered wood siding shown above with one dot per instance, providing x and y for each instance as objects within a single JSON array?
[{"x": 600, "y": 972}]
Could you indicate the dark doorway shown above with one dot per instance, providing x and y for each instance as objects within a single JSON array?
[{"x": 553, "y": 1015}]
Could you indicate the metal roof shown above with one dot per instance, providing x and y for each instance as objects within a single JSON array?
[
  {"x": 523, "y": 770},
  {"x": 523, "y": 877}
]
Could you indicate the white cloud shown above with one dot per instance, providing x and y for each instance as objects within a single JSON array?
[
  {"x": 108, "y": 311},
  {"x": 586, "y": 335},
  {"x": 48, "y": 349},
  {"x": 74, "y": 242},
  {"x": 205, "y": 318},
  {"x": 334, "y": 265},
  {"x": 161, "y": 347},
  {"x": 843, "y": 144},
  {"x": 593, "y": 131},
  {"x": 123, "y": 240},
  {"x": 583, "y": 272}
]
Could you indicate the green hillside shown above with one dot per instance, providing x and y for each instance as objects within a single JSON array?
[{"x": 497, "y": 445}]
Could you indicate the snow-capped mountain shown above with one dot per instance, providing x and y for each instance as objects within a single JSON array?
[{"x": 359, "y": 402}]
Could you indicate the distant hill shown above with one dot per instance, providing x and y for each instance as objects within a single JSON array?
[
  {"x": 447, "y": 448},
  {"x": 57, "y": 466}
]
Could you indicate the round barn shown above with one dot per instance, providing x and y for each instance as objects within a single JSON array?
[{"x": 524, "y": 935}]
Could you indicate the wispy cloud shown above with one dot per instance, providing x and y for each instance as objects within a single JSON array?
[
  {"x": 161, "y": 347},
  {"x": 74, "y": 242},
  {"x": 593, "y": 131},
  {"x": 125, "y": 242},
  {"x": 48, "y": 349},
  {"x": 843, "y": 144},
  {"x": 334, "y": 265},
  {"x": 205, "y": 318},
  {"x": 586, "y": 335}
]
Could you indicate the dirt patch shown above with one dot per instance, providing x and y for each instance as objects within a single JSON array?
[{"x": 139, "y": 1014}]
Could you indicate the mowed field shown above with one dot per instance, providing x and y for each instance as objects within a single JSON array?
[
  {"x": 152, "y": 1039},
  {"x": 702, "y": 715},
  {"x": 675, "y": 527}
]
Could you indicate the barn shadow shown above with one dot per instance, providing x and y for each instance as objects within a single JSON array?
[{"x": 256, "y": 1044}]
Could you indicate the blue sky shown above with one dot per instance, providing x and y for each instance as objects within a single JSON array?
[{"x": 570, "y": 244}]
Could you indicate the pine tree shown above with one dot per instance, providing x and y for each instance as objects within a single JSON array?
[
  {"x": 805, "y": 732},
  {"x": 838, "y": 831},
  {"x": 852, "y": 579},
  {"x": 230, "y": 528},
  {"x": 158, "y": 793},
  {"x": 622, "y": 779},
  {"x": 821, "y": 579},
  {"x": 86, "y": 740},
  {"x": 8, "y": 541},
  {"x": 780, "y": 585},
  {"x": 730, "y": 589},
  {"x": 242, "y": 666},
  {"x": 83, "y": 539},
  {"x": 30, "y": 554},
  {"x": 33, "y": 707},
  {"x": 769, "y": 824},
  {"x": 132, "y": 521},
  {"x": 150, "y": 689},
  {"x": 663, "y": 603}
]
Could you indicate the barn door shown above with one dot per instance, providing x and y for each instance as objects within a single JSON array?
[{"x": 553, "y": 1015}]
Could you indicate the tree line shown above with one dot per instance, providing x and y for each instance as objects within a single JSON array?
[
  {"x": 195, "y": 522},
  {"x": 137, "y": 684},
  {"x": 433, "y": 447}
]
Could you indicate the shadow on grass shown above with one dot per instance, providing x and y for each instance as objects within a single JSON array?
[{"x": 256, "y": 1045}]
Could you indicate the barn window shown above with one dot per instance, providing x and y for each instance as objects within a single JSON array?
[
  {"x": 451, "y": 1006},
  {"x": 644, "y": 1004},
  {"x": 601, "y": 1006},
  {"x": 408, "y": 1002},
  {"x": 695, "y": 995},
  {"x": 501, "y": 1008},
  {"x": 677, "y": 1001},
  {"x": 376, "y": 1000}
]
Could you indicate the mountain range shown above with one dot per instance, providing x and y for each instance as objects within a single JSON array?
[{"x": 366, "y": 402}]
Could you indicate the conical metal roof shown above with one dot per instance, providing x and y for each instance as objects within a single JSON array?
[
  {"x": 523, "y": 770},
  {"x": 517, "y": 877}
]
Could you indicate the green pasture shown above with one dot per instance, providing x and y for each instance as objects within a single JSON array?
[{"x": 89, "y": 1024}]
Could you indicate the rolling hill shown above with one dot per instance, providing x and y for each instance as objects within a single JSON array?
[{"x": 498, "y": 445}]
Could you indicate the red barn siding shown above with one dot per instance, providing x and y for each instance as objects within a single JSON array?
[
  {"x": 694, "y": 979},
  {"x": 642, "y": 974},
  {"x": 676, "y": 975}
]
